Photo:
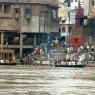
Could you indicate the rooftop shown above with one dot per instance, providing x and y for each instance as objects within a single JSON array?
[{"x": 51, "y": 2}]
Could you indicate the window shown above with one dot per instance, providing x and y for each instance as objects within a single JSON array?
[
  {"x": 17, "y": 9},
  {"x": 63, "y": 29},
  {"x": 27, "y": 11},
  {"x": 0, "y": 7},
  {"x": 92, "y": 2},
  {"x": 44, "y": 14},
  {"x": 7, "y": 8},
  {"x": 71, "y": 0}
]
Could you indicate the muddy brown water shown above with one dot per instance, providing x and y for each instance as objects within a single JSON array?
[{"x": 30, "y": 80}]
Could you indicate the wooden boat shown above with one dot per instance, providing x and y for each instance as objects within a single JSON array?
[
  {"x": 90, "y": 63},
  {"x": 7, "y": 57},
  {"x": 77, "y": 66},
  {"x": 69, "y": 64}
]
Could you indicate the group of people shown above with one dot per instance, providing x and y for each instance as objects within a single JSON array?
[
  {"x": 80, "y": 55},
  {"x": 86, "y": 48}
]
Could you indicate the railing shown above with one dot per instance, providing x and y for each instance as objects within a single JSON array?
[
  {"x": 2, "y": 15},
  {"x": 17, "y": 46}
]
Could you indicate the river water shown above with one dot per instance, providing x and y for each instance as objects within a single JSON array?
[{"x": 29, "y": 80}]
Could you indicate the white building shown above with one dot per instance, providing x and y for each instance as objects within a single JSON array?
[{"x": 70, "y": 18}]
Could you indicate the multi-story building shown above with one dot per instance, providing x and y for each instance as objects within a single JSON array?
[
  {"x": 27, "y": 23},
  {"x": 66, "y": 28},
  {"x": 89, "y": 29},
  {"x": 88, "y": 25},
  {"x": 63, "y": 13}
]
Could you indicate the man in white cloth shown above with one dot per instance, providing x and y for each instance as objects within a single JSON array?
[{"x": 81, "y": 58}]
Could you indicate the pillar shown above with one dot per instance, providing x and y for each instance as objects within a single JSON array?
[
  {"x": 35, "y": 39},
  {"x": 2, "y": 40},
  {"x": 21, "y": 44}
]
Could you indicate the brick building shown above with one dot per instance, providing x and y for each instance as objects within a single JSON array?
[{"x": 27, "y": 23}]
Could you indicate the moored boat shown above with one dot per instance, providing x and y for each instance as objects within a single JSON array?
[
  {"x": 69, "y": 64},
  {"x": 7, "y": 57},
  {"x": 90, "y": 65},
  {"x": 77, "y": 66}
]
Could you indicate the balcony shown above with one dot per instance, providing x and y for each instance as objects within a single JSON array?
[
  {"x": 8, "y": 24},
  {"x": 56, "y": 20},
  {"x": 16, "y": 46},
  {"x": 8, "y": 16}
]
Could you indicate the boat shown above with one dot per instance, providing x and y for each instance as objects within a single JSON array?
[
  {"x": 77, "y": 66},
  {"x": 69, "y": 64},
  {"x": 7, "y": 57},
  {"x": 90, "y": 64}
]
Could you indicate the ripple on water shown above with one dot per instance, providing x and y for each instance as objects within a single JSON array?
[{"x": 24, "y": 80}]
